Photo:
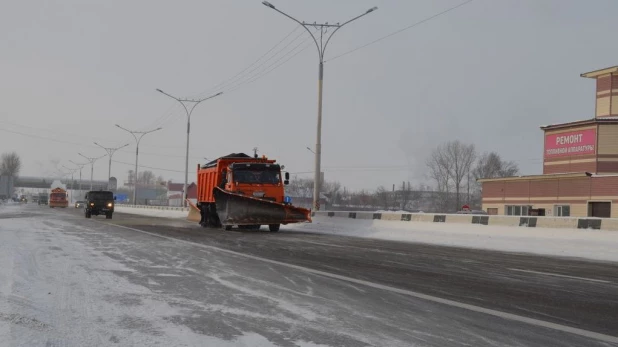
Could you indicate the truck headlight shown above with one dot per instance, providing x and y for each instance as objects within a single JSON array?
[
  {"x": 92, "y": 204},
  {"x": 109, "y": 204}
]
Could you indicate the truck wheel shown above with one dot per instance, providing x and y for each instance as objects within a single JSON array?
[
  {"x": 274, "y": 227},
  {"x": 228, "y": 227},
  {"x": 108, "y": 216},
  {"x": 88, "y": 215}
]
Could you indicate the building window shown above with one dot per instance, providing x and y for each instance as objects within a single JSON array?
[
  {"x": 516, "y": 210},
  {"x": 562, "y": 210}
]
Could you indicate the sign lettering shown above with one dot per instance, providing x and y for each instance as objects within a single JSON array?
[{"x": 572, "y": 143}]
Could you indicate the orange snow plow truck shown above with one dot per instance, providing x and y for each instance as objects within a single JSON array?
[{"x": 246, "y": 191}]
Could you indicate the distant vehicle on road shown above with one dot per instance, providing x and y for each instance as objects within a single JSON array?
[
  {"x": 58, "y": 198},
  {"x": 80, "y": 203},
  {"x": 99, "y": 202},
  {"x": 43, "y": 199}
]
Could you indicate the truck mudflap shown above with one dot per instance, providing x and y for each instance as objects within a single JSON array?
[{"x": 236, "y": 209}]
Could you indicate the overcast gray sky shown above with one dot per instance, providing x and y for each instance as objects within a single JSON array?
[{"x": 489, "y": 73}]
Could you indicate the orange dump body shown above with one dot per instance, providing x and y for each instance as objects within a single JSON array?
[
  {"x": 210, "y": 177},
  {"x": 58, "y": 198},
  {"x": 241, "y": 190}
]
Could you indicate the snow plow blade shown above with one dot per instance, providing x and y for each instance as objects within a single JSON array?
[
  {"x": 236, "y": 209},
  {"x": 194, "y": 212}
]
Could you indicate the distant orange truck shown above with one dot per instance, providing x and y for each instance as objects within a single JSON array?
[{"x": 58, "y": 198}]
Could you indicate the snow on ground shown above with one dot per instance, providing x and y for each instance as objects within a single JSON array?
[
  {"x": 591, "y": 244},
  {"x": 57, "y": 291},
  {"x": 151, "y": 212}
]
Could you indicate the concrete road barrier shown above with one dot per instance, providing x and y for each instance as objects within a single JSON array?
[
  {"x": 459, "y": 218},
  {"x": 584, "y": 223},
  {"x": 509, "y": 221},
  {"x": 556, "y": 222}
]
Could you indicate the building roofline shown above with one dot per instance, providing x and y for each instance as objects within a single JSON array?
[
  {"x": 600, "y": 120},
  {"x": 601, "y": 72},
  {"x": 535, "y": 177}
]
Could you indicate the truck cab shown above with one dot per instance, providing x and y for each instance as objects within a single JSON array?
[
  {"x": 258, "y": 180},
  {"x": 99, "y": 202}
]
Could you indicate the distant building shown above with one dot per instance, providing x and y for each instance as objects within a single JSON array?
[
  {"x": 580, "y": 165},
  {"x": 6, "y": 187},
  {"x": 174, "y": 193}
]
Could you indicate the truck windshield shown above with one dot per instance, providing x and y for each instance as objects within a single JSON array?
[
  {"x": 256, "y": 176},
  {"x": 101, "y": 196},
  {"x": 58, "y": 196}
]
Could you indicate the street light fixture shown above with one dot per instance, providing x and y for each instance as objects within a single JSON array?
[
  {"x": 110, "y": 152},
  {"x": 92, "y": 160},
  {"x": 321, "y": 46},
  {"x": 137, "y": 141},
  {"x": 188, "y": 111},
  {"x": 310, "y": 150},
  {"x": 80, "y": 166}
]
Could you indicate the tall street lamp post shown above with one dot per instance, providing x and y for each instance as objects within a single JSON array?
[
  {"x": 321, "y": 44},
  {"x": 110, "y": 152},
  {"x": 80, "y": 166},
  {"x": 184, "y": 103},
  {"x": 137, "y": 135},
  {"x": 91, "y": 160}
]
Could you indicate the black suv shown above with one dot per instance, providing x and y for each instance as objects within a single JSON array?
[{"x": 99, "y": 202}]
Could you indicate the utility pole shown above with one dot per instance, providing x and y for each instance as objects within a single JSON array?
[
  {"x": 92, "y": 161},
  {"x": 80, "y": 166},
  {"x": 137, "y": 141},
  {"x": 184, "y": 103},
  {"x": 321, "y": 46},
  {"x": 110, "y": 153}
]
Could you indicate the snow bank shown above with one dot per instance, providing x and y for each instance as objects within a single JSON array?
[
  {"x": 151, "y": 212},
  {"x": 587, "y": 243},
  {"x": 582, "y": 243}
]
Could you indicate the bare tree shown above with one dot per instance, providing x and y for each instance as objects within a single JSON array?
[
  {"x": 383, "y": 197},
  {"x": 449, "y": 164},
  {"x": 490, "y": 165},
  {"x": 331, "y": 190},
  {"x": 300, "y": 187},
  {"x": 405, "y": 195},
  {"x": 440, "y": 167},
  {"x": 361, "y": 199},
  {"x": 10, "y": 165},
  {"x": 462, "y": 157},
  {"x": 146, "y": 177}
]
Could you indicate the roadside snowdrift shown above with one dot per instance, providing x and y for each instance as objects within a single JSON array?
[{"x": 581, "y": 243}]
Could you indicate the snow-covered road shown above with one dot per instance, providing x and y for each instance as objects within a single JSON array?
[{"x": 67, "y": 281}]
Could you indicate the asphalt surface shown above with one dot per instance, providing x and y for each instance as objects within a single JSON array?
[{"x": 365, "y": 290}]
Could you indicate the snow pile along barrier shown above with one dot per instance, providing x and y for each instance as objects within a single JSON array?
[{"x": 521, "y": 221}]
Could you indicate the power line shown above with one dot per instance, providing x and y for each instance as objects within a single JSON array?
[
  {"x": 266, "y": 70},
  {"x": 149, "y": 167},
  {"x": 246, "y": 76},
  {"x": 249, "y": 75},
  {"x": 401, "y": 30},
  {"x": 250, "y": 65},
  {"x": 89, "y": 138},
  {"x": 81, "y": 145}
]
